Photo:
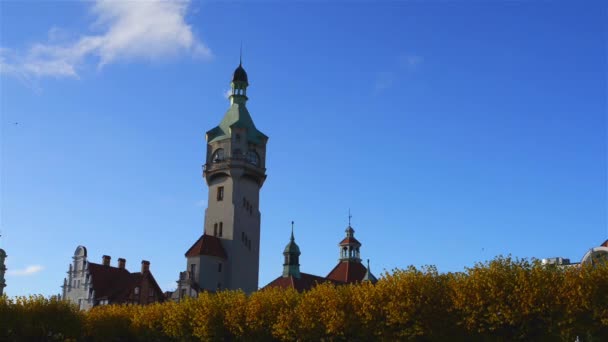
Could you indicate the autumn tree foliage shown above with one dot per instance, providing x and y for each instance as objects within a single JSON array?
[{"x": 502, "y": 300}]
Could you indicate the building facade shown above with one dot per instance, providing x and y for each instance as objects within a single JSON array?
[
  {"x": 226, "y": 255},
  {"x": 2, "y": 270},
  {"x": 349, "y": 269},
  {"x": 89, "y": 284}
]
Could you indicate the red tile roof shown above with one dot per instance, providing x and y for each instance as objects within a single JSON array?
[
  {"x": 605, "y": 244},
  {"x": 348, "y": 272},
  {"x": 349, "y": 241},
  {"x": 207, "y": 245},
  {"x": 304, "y": 283}
]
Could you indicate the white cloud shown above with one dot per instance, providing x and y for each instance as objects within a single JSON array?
[
  {"x": 386, "y": 79},
  {"x": 30, "y": 270},
  {"x": 411, "y": 61},
  {"x": 146, "y": 29},
  {"x": 201, "y": 203},
  {"x": 227, "y": 93}
]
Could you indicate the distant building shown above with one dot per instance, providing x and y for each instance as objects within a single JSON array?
[
  {"x": 593, "y": 256},
  {"x": 227, "y": 255},
  {"x": 348, "y": 270},
  {"x": 596, "y": 255},
  {"x": 2, "y": 270},
  {"x": 89, "y": 284}
]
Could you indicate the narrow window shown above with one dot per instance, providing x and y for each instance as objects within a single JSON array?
[
  {"x": 136, "y": 290},
  {"x": 219, "y": 267},
  {"x": 220, "y": 193},
  {"x": 243, "y": 236},
  {"x": 238, "y": 138},
  {"x": 215, "y": 229},
  {"x": 219, "y": 286},
  {"x": 220, "y": 235},
  {"x": 192, "y": 270},
  {"x": 244, "y": 202}
]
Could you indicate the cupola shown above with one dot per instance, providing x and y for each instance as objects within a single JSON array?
[{"x": 291, "y": 266}]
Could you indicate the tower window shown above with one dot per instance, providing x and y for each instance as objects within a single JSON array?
[
  {"x": 219, "y": 286},
  {"x": 218, "y": 155},
  {"x": 215, "y": 229},
  {"x": 192, "y": 270},
  {"x": 238, "y": 138},
  {"x": 219, "y": 267},
  {"x": 220, "y": 193},
  {"x": 220, "y": 232},
  {"x": 253, "y": 158}
]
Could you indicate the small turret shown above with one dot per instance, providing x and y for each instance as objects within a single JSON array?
[
  {"x": 291, "y": 266},
  {"x": 239, "y": 85},
  {"x": 369, "y": 276}
]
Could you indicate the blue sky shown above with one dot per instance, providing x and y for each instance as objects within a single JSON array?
[{"x": 455, "y": 131}]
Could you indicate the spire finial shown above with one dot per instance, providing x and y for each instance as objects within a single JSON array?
[
  {"x": 292, "y": 238},
  {"x": 368, "y": 265},
  {"x": 241, "y": 55},
  {"x": 349, "y": 217}
]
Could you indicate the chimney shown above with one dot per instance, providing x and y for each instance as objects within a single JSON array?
[
  {"x": 121, "y": 263},
  {"x": 145, "y": 266},
  {"x": 106, "y": 260}
]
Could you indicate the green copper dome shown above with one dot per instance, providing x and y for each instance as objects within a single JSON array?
[
  {"x": 240, "y": 75},
  {"x": 292, "y": 247}
]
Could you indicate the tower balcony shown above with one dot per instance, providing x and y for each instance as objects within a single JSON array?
[{"x": 235, "y": 161}]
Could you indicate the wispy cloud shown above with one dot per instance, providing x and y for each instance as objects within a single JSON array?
[
  {"x": 406, "y": 63},
  {"x": 384, "y": 80},
  {"x": 201, "y": 203},
  {"x": 28, "y": 271},
  {"x": 411, "y": 61},
  {"x": 227, "y": 93},
  {"x": 128, "y": 30}
]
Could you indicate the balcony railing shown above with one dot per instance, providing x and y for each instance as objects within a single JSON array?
[{"x": 240, "y": 159}]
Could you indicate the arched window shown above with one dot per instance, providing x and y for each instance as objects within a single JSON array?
[
  {"x": 253, "y": 158},
  {"x": 218, "y": 155}
]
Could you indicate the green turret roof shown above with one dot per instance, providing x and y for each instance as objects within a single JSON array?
[
  {"x": 237, "y": 116},
  {"x": 292, "y": 247}
]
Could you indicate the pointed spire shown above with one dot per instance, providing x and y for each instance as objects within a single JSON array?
[
  {"x": 291, "y": 266},
  {"x": 241, "y": 55},
  {"x": 349, "y": 217},
  {"x": 368, "y": 275}
]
